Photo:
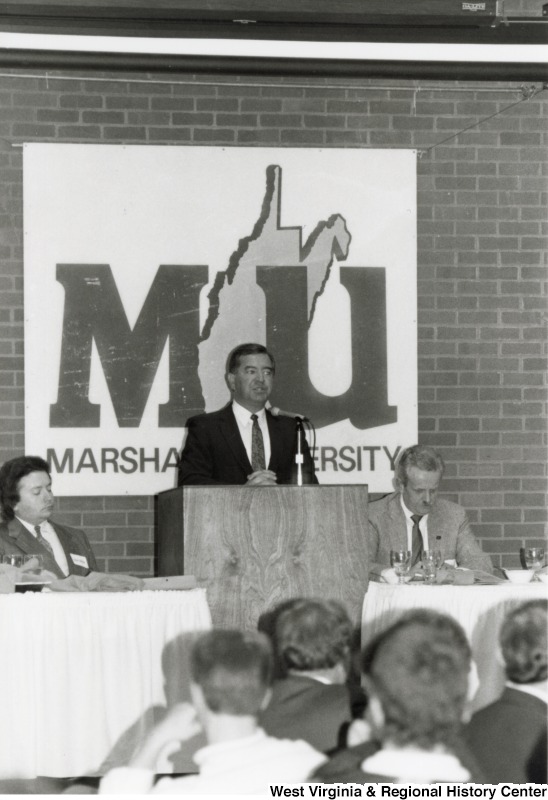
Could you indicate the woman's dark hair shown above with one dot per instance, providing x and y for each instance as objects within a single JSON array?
[{"x": 11, "y": 473}]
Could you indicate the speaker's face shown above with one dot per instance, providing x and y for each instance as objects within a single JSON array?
[{"x": 251, "y": 383}]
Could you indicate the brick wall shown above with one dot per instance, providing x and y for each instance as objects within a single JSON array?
[
  {"x": 482, "y": 199},
  {"x": 523, "y": 8}
]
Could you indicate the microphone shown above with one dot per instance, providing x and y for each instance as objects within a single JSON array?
[
  {"x": 299, "y": 419},
  {"x": 277, "y": 412}
]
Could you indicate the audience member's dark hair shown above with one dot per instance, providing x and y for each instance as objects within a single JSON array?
[
  {"x": 247, "y": 349},
  {"x": 523, "y": 640},
  {"x": 418, "y": 668},
  {"x": 420, "y": 456},
  {"x": 11, "y": 473},
  {"x": 267, "y": 624},
  {"x": 445, "y": 626},
  {"x": 233, "y": 669},
  {"x": 313, "y": 634}
]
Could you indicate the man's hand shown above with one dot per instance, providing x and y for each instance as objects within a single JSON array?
[
  {"x": 179, "y": 724},
  {"x": 263, "y": 477},
  {"x": 113, "y": 582},
  {"x": 32, "y": 565}
]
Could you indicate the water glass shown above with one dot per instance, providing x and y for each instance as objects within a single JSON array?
[
  {"x": 534, "y": 557},
  {"x": 429, "y": 567},
  {"x": 438, "y": 558},
  {"x": 400, "y": 560},
  {"x": 13, "y": 560}
]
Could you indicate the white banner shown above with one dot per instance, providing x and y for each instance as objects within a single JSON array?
[{"x": 145, "y": 266}]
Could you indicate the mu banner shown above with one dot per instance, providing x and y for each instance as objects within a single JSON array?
[{"x": 144, "y": 266}]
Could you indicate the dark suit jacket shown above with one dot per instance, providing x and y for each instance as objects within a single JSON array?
[
  {"x": 302, "y": 708},
  {"x": 448, "y": 530},
  {"x": 214, "y": 452},
  {"x": 508, "y": 737},
  {"x": 16, "y": 539}
]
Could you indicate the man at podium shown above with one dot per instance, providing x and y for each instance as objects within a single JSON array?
[{"x": 244, "y": 443}]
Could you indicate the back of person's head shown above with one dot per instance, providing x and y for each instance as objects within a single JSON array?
[
  {"x": 523, "y": 641},
  {"x": 420, "y": 456},
  {"x": 233, "y": 669},
  {"x": 11, "y": 473},
  {"x": 445, "y": 627},
  {"x": 247, "y": 349},
  {"x": 313, "y": 635},
  {"x": 418, "y": 670}
]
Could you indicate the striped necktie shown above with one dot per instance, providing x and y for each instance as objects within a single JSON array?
[
  {"x": 416, "y": 540},
  {"x": 44, "y": 542},
  {"x": 257, "y": 446}
]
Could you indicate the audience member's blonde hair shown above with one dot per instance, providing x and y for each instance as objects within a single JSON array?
[
  {"x": 233, "y": 669},
  {"x": 523, "y": 640}
]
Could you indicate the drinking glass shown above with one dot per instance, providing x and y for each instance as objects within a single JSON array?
[
  {"x": 438, "y": 558},
  {"x": 429, "y": 568},
  {"x": 35, "y": 562},
  {"x": 13, "y": 560},
  {"x": 400, "y": 560},
  {"x": 534, "y": 557}
]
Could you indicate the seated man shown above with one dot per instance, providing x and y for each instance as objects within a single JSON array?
[
  {"x": 231, "y": 675},
  {"x": 414, "y": 518},
  {"x": 244, "y": 443},
  {"x": 311, "y": 702},
  {"x": 416, "y": 675},
  {"x": 27, "y": 504},
  {"x": 509, "y": 735}
]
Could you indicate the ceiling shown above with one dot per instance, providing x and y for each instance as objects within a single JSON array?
[
  {"x": 450, "y": 22},
  {"x": 480, "y": 21}
]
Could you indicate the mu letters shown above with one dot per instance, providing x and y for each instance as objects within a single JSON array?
[{"x": 93, "y": 312}]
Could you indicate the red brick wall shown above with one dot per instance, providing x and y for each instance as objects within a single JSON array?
[{"x": 482, "y": 199}]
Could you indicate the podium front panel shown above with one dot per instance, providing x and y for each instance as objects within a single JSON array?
[{"x": 253, "y": 548}]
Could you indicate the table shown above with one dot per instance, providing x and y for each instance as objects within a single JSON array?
[
  {"x": 85, "y": 675},
  {"x": 479, "y": 609}
]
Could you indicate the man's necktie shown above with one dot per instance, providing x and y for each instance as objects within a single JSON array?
[
  {"x": 44, "y": 542},
  {"x": 416, "y": 540},
  {"x": 257, "y": 446}
]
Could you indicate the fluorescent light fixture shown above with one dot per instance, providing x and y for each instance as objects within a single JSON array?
[{"x": 242, "y": 48}]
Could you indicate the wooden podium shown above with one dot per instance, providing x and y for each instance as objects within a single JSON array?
[{"x": 253, "y": 548}]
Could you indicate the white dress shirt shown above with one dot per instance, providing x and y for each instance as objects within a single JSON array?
[
  {"x": 413, "y": 765},
  {"x": 242, "y": 766},
  {"x": 49, "y": 534},
  {"x": 245, "y": 426},
  {"x": 423, "y": 527}
]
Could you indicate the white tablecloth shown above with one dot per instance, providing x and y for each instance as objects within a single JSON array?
[
  {"x": 479, "y": 609},
  {"x": 83, "y": 676}
]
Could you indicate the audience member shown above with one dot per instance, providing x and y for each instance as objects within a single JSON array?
[
  {"x": 312, "y": 640},
  {"x": 417, "y": 679},
  {"x": 27, "y": 505},
  {"x": 414, "y": 518},
  {"x": 509, "y": 735},
  {"x": 231, "y": 675}
]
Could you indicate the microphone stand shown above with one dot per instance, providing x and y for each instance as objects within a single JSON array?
[{"x": 299, "y": 458}]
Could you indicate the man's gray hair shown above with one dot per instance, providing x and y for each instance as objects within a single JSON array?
[{"x": 420, "y": 456}]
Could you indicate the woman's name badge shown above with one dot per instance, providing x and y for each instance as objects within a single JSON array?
[{"x": 80, "y": 561}]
